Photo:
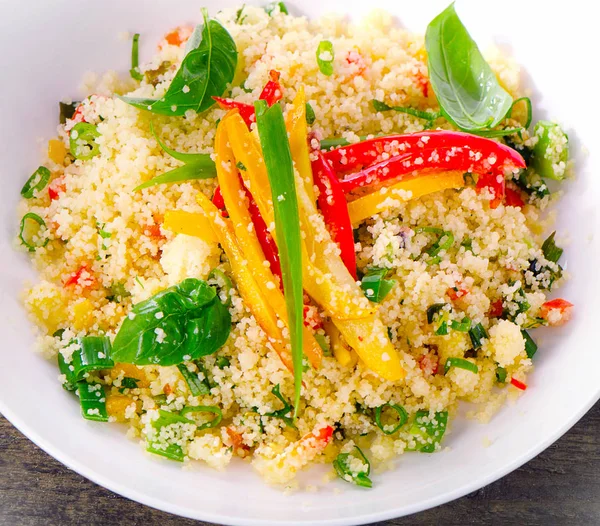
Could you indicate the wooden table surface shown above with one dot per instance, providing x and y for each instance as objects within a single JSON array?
[{"x": 560, "y": 486}]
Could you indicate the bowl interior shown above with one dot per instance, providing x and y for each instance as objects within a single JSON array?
[{"x": 61, "y": 40}]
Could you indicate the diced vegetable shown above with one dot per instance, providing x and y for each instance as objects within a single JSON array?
[
  {"x": 375, "y": 286},
  {"x": 93, "y": 401},
  {"x": 551, "y": 152},
  {"x": 461, "y": 326},
  {"x": 477, "y": 333},
  {"x": 550, "y": 250},
  {"x": 530, "y": 346},
  {"x": 325, "y": 56},
  {"x": 501, "y": 374},
  {"x": 402, "y": 417},
  {"x": 32, "y": 232},
  {"x": 461, "y": 363},
  {"x": 310, "y": 114},
  {"x": 344, "y": 463},
  {"x": 36, "y": 183},
  {"x": 432, "y": 310},
  {"x": 429, "y": 430},
  {"x": 518, "y": 384},
  {"x": 82, "y": 141}
]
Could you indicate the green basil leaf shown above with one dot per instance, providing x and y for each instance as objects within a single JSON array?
[
  {"x": 178, "y": 324},
  {"x": 206, "y": 70},
  {"x": 467, "y": 89}
]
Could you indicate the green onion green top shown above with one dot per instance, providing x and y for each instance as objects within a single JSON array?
[{"x": 135, "y": 58}]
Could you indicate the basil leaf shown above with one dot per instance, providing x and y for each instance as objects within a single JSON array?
[
  {"x": 206, "y": 70},
  {"x": 466, "y": 88},
  {"x": 178, "y": 324}
]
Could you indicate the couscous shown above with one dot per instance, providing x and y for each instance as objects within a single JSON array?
[{"x": 296, "y": 241}]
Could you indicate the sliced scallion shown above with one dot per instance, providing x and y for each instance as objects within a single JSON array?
[
  {"x": 205, "y": 409},
  {"x": 32, "y": 228},
  {"x": 402, "y": 418},
  {"x": 285, "y": 412},
  {"x": 527, "y": 102},
  {"x": 69, "y": 382},
  {"x": 426, "y": 115},
  {"x": 325, "y": 56},
  {"x": 280, "y": 171},
  {"x": 375, "y": 286},
  {"x": 222, "y": 362},
  {"x": 135, "y": 58},
  {"x": 129, "y": 383},
  {"x": 428, "y": 431},
  {"x": 342, "y": 465},
  {"x": 322, "y": 341},
  {"x": 93, "y": 401},
  {"x": 196, "y": 386},
  {"x": 444, "y": 241},
  {"x": 82, "y": 141},
  {"x": 477, "y": 333},
  {"x": 172, "y": 451},
  {"x": 461, "y": 363},
  {"x": 37, "y": 182},
  {"x": 442, "y": 330},
  {"x": 432, "y": 310},
  {"x": 461, "y": 326},
  {"x": 93, "y": 354}
]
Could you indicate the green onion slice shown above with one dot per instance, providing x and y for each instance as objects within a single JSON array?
[
  {"x": 172, "y": 451},
  {"x": 427, "y": 115},
  {"x": 37, "y": 182},
  {"x": 433, "y": 310},
  {"x": 222, "y": 362},
  {"x": 32, "y": 228},
  {"x": 477, "y": 333},
  {"x": 501, "y": 374},
  {"x": 442, "y": 330},
  {"x": 325, "y": 49},
  {"x": 129, "y": 383},
  {"x": 280, "y": 171},
  {"x": 93, "y": 401},
  {"x": 402, "y": 418},
  {"x": 530, "y": 345},
  {"x": 205, "y": 409},
  {"x": 310, "y": 114},
  {"x": 196, "y": 386},
  {"x": 461, "y": 363},
  {"x": 429, "y": 431},
  {"x": 375, "y": 286},
  {"x": 444, "y": 241},
  {"x": 550, "y": 250},
  {"x": 135, "y": 58},
  {"x": 270, "y": 8},
  {"x": 342, "y": 467},
  {"x": 82, "y": 141},
  {"x": 462, "y": 326}
]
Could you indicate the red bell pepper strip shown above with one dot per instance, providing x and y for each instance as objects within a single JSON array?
[
  {"x": 267, "y": 243},
  {"x": 513, "y": 198},
  {"x": 496, "y": 309},
  {"x": 333, "y": 206},
  {"x": 518, "y": 384},
  {"x": 272, "y": 92},
  {"x": 397, "y": 157},
  {"x": 495, "y": 184},
  {"x": 218, "y": 198}
]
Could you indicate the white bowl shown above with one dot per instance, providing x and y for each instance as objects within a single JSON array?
[{"x": 49, "y": 45}]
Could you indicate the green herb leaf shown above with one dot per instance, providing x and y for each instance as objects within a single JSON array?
[
  {"x": 129, "y": 383},
  {"x": 342, "y": 463},
  {"x": 37, "y": 182},
  {"x": 135, "y": 58},
  {"x": 270, "y": 8},
  {"x": 206, "y": 70},
  {"x": 461, "y": 363},
  {"x": 196, "y": 386},
  {"x": 467, "y": 90},
  {"x": 180, "y": 323},
  {"x": 429, "y": 431},
  {"x": 285, "y": 412},
  {"x": 310, "y": 114},
  {"x": 501, "y": 374},
  {"x": 280, "y": 170},
  {"x": 432, "y": 310},
  {"x": 530, "y": 346},
  {"x": 118, "y": 292},
  {"x": 442, "y": 330},
  {"x": 477, "y": 333},
  {"x": 82, "y": 141},
  {"x": 550, "y": 250},
  {"x": 375, "y": 286},
  {"x": 222, "y": 362},
  {"x": 551, "y": 152},
  {"x": 325, "y": 56},
  {"x": 402, "y": 416},
  {"x": 31, "y": 231},
  {"x": 427, "y": 115}
]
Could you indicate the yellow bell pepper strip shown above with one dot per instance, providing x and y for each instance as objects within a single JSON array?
[
  {"x": 295, "y": 123},
  {"x": 249, "y": 289},
  {"x": 325, "y": 277},
  {"x": 234, "y": 198},
  {"x": 341, "y": 352},
  {"x": 390, "y": 196},
  {"x": 190, "y": 223}
]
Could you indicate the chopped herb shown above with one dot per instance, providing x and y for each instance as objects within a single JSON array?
[
  {"x": 442, "y": 330},
  {"x": 461, "y": 363},
  {"x": 135, "y": 58},
  {"x": 477, "y": 333},
  {"x": 550, "y": 250},
  {"x": 432, "y": 310},
  {"x": 240, "y": 166},
  {"x": 129, "y": 383},
  {"x": 36, "y": 183},
  {"x": 322, "y": 341},
  {"x": 223, "y": 282},
  {"x": 325, "y": 55},
  {"x": 428, "y": 431},
  {"x": 93, "y": 401},
  {"x": 360, "y": 477},
  {"x": 196, "y": 386},
  {"x": 530, "y": 346},
  {"x": 118, "y": 292},
  {"x": 222, "y": 362},
  {"x": 239, "y": 19},
  {"x": 462, "y": 326},
  {"x": 402, "y": 418},
  {"x": 310, "y": 114},
  {"x": 444, "y": 241},
  {"x": 375, "y": 286},
  {"x": 205, "y": 409},
  {"x": 285, "y": 413},
  {"x": 426, "y": 115}
]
